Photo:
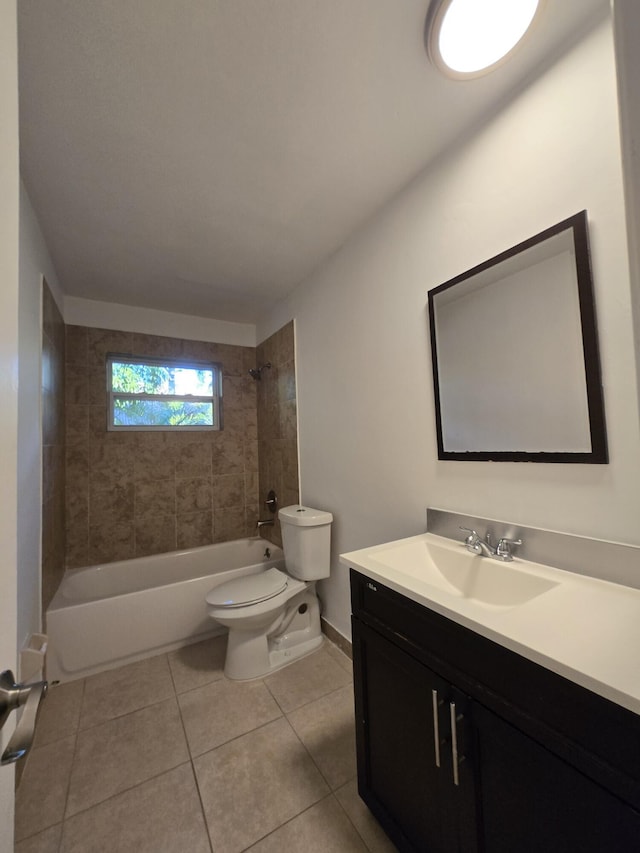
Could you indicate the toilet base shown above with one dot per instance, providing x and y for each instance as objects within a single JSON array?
[{"x": 255, "y": 654}]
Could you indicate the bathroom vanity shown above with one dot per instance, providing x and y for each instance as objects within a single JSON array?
[{"x": 471, "y": 736}]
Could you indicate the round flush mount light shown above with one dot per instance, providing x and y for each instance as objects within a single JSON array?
[{"x": 469, "y": 38}]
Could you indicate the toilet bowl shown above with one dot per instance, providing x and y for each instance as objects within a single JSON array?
[{"x": 274, "y": 617}]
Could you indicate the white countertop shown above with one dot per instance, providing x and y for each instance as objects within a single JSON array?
[{"x": 584, "y": 629}]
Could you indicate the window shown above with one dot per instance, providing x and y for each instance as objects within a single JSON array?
[{"x": 163, "y": 394}]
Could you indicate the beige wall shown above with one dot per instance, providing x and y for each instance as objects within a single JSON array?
[
  {"x": 139, "y": 493},
  {"x": 53, "y": 446},
  {"x": 277, "y": 424}
]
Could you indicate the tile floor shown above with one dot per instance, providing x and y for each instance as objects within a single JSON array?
[{"x": 168, "y": 756}]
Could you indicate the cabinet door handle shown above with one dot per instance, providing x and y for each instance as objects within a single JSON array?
[
  {"x": 454, "y": 741},
  {"x": 436, "y": 726}
]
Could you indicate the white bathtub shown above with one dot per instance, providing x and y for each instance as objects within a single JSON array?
[{"x": 105, "y": 616}]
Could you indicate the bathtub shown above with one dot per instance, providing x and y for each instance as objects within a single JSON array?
[{"x": 108, "y": 615}]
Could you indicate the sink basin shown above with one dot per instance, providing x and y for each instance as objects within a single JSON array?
[{"x": 455, "y": 571}]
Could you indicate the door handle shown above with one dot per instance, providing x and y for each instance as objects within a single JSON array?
[
  {"x": 436, "y": 727},
  {"x": 14, "y": 696},
  {"x": 457, "y": 760}
]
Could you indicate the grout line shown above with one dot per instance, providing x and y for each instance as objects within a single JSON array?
[
  {"x": 124, "y": 791},
  {"x": 237, "y": 737},
  {"x": 125, "y": 714},
  {"x": 289, "y": 820},
  {"x": 348, "y": 816},
  {"x": 200, "y": 800},
  {"x": 175, "y": 696},
  {"x": 73, "y": 761}
]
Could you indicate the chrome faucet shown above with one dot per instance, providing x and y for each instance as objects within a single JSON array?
[
  {"x": 264, "y": 522},
  {"x": 477, "y": 545}
]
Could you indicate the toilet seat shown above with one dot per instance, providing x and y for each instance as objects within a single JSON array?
[{"x": 250, "y": 589}]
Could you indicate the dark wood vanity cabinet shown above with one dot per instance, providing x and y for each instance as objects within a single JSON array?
[{"x": 465, "y": 746}]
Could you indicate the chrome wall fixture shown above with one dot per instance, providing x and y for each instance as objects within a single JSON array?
[
  {"x": 256, "y": 372},
  {"x": 271, "y": 504}
]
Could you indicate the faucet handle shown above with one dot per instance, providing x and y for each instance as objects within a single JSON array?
[
  {"x": 503, "y": 551},
  {"x": 473, "y": 536}
]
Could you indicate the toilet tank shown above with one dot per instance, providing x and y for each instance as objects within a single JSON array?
[{"x": 306, "y": 541}]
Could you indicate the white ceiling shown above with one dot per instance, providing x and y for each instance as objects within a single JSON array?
[{"x": 205, "y": 156}]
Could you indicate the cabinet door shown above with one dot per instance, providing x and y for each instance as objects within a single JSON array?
[
  {"x": 533, "y": 801},
  {"x": 405, "y": 771}
]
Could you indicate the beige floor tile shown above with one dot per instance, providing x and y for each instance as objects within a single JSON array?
[
  {"x": 42, "y": 794},
  {"x": 59, "y": 714},
  {"x": 373, "y": 834},
  {"x": 223, "y": 710},
  {"x": 338, "y": 655},
  {"x": 198, "y": 664},
  {"x": 327, "y": 729},
  {"x": 253, "y": 784},
  {"x": 306, "y": 680},
  {"x": 120, "y": 691},
  {"x": 162, "y": 815},
  {"x": 44, "y": 842},
  {"x": 124, "y": 752},
  {"x": 324, "y": 828}
]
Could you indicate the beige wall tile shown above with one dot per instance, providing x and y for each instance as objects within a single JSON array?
[
  {"x": 193, "y": 495},
  {"x": 110, "y": 505},
  {"x": 173, "y": 473},
  {"x": 101, "y": 342},
  {"x": 194, "y": 529},
  {"x": 227, "y": 455},
  {"x": 154, "y": 498},
  {"x": 155, "y": 535},
  {"x": 110, "y": 541},
  {"x": 229, "y": 524},
  {"x": 228, "y": 491},
  {"x": 54, "y": 440},
  {"x": 193, "y": 459},
  {"x": 277, "y": 451},
  {"x": 77, "y": 345}
]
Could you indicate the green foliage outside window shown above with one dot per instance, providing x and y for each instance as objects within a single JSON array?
[{"x": 137, "y": 389}]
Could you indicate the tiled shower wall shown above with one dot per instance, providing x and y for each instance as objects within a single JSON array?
[
  {"x": 53, "y": 450},
  {"x": 139, "y": 493},
  {"x": 277, "y": 425}
]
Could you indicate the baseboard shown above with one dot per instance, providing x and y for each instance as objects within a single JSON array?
[{"x": 337, "y": 638}]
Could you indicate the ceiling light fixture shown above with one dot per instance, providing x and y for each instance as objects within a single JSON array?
[{"x": 468, "y": 38}]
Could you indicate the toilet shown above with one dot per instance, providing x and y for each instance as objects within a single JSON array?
[{"x": 273, "y": 617}]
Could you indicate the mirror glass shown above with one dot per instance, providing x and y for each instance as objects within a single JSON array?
[{"x": 515, "y": 356}]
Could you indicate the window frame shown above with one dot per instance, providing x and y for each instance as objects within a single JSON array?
[{"x": 215, "y": 399}]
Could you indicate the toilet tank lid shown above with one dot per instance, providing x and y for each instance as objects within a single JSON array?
[{"x": 304, "y": 516}]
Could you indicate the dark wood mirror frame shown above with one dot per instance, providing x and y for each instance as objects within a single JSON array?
[{"x": 577, "y": 226}]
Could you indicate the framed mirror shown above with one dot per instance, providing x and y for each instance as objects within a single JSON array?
[{"x": 516, "y": 368}]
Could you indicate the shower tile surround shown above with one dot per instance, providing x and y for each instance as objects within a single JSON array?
[
  {"x": 277, "y": 425},
  {"x": 53, "y": 446},
  {"x": 275, "y": 771},
  {"x": 139, "y": 493}
]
